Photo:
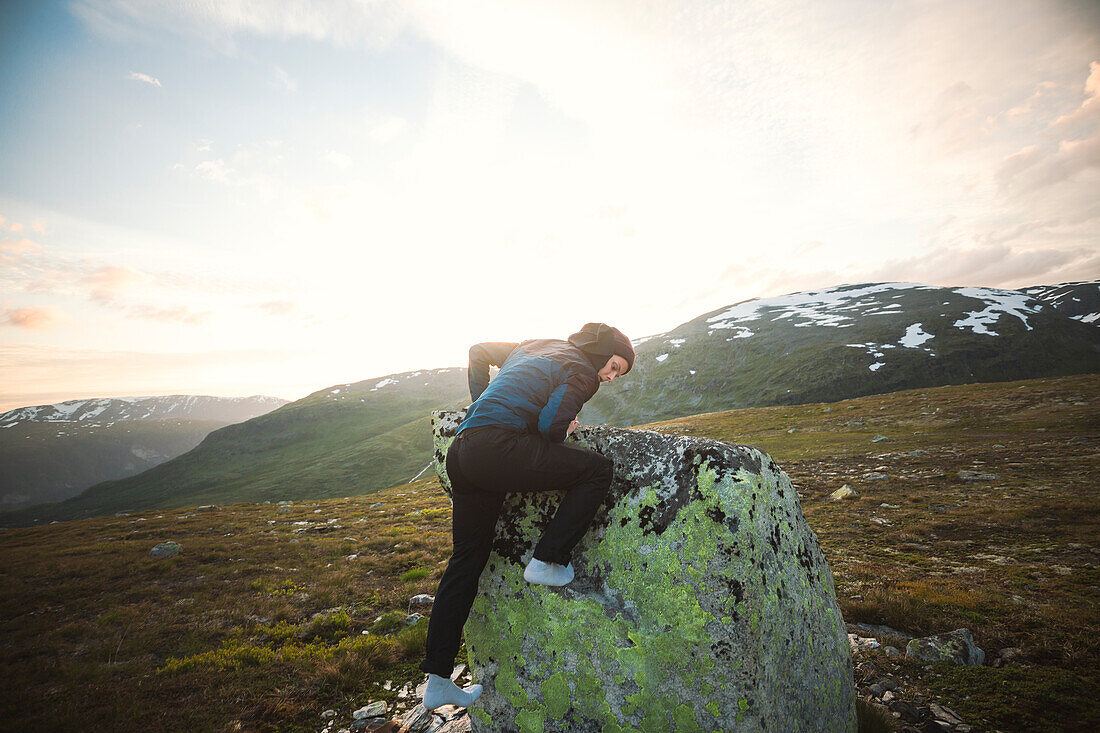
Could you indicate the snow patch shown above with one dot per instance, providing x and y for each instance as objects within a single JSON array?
[
  {"x": 876, "y": 366},
  {"x": 382, "y": 384},
  {"x": 662, "y": 357},
  {"x": 914, "y": 337},
  {"x": 1008, "y": 302},
  {"x": 826, "y": 307}
]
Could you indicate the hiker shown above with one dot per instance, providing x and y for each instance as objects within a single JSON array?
[{"x": 511, "y": 441}]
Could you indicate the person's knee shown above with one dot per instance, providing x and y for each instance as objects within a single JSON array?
[{"x": 604, "y": 470}]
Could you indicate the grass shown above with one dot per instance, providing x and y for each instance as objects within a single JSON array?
[{"x": 256, "y": 625}]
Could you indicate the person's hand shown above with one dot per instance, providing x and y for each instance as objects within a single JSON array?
[{"x": 572, "y": 426}]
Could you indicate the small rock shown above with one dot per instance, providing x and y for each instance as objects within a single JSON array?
[
  {"x": 458, "y": 672},
  {"x": 977, "y": 476},
  {"x": 998, "y": 445},
  {"x": 165, "y": 549},
  {"x": 372, "y": 506},
  {"x": 843, "y": 492},
  {"x": 792, "y": 431},
  {"x": 892, "y": 651},
  {"x": 880, "y": 520},
  {"x": 888, "y": 684},
  {"x": 956, "y": 647},
  {"x": 879, "y": 438},
  {"x": 421, "y": 600},
  {"x": 888, "y": 697},
  {"x": 890, "y": 506},
  {"x": 412, "y": 618},
  {"x": 945, "y": 714},
  {"x": 875, "y": 476},
  {"x": 328, "y": 714},
  {"x": 417, "y": 720},
  {"x": 917, "y": 453},
  {"x": 374, "y": 710},
  {"x": 876, "y": 690},
  {"x": 350, "y": 539}
]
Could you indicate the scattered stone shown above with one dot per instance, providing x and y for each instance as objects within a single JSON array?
[
  {"x": 917, "y": 453},
  {"x": 890, "y": 506},
  {"x": 1078, "y": 439},
  {"x": 843, "y": 492},
  {"x": 977, "y": 476},
  {"x": 165, "y": 549},
  {"x": 458, "y": 672},
  {"x": 416, "y": 720},
  {"x": 888, "y": 697},
  {"x": 876, "y": 690},
  {"x": 862, "y": 643},
  {"x": 412, "y": 618},
  {"x": 421, "y": 600},
  {"x": 373, "y": 710},
  {"x": 956, "y": 647},
  {"x": 792, "y": 431},
  {"x": 328, "y": 714},
  {"x": 1007, "y": 655},
  {"x": 826, "y": 409},
  {"x": 998, "y": 446},
  {"x": 372, "y": 506},
  {"x": 879, "y": 438},
  {"x": 892, "y": 651},
  {"x": 888, "y": 684},
  {"x": 350, "y": 539},
  {"x": 880, "y": 520},
  {"x": 282, "y": 503},
  {"x": 879, "y": 630},
  {"x": 945, "y": 714},
  {"x": 876, "y": 476}
]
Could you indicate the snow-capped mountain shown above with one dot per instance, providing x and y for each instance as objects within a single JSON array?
[
  {"x": 854, "y": 340},
  {"x": 105, "y": 411},
  {"x": 1080, "y": 301},
  {"x": 53, "y": 452}
]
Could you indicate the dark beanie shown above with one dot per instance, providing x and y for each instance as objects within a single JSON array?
[{"x": 600, "y": 342}]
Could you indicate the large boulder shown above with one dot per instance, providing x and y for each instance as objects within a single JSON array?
[{"x": 701, "y": 601}]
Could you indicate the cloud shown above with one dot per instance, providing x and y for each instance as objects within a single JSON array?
[
  {"x": 136, "y": 76},
  {"x": 215, "y": 170},
  {"x": 16, "y": 249},
  {"x": 278, "y": 308},
  {"x": 34, "y": 318},
  {"x": 338, "y": 159},
  {"x": 283, "y": 81},
  {"x": 107, "y": 285},
  {"x": 176, "y": 314},
  {"x": 1036, "y": 167}
]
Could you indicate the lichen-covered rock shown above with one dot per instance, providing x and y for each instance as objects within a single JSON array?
[
  {"x": 165, "y": 549},
  {"x": 701, "y": 602},
  {"x": 957, "y": 647}
]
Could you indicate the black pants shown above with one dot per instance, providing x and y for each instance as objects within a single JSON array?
[{"x": 484, "y": 464}]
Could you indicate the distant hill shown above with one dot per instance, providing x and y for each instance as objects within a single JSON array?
[
  {"x": 816, "y": 346},
  {"x": 53, "y": 452},
  {"x": 340, "y": 441}
]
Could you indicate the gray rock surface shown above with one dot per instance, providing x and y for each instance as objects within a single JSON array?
[
  {"x": 165, "y": 549},
  {"x": 956, "y": 647},
  {"x": 701, "y": 601}
]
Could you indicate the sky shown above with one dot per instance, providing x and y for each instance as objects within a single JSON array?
[{"x": 244, "y": 197}]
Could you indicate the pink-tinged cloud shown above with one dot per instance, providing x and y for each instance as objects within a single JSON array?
[
  {"x": 34, "y": 319},
  {"x": 38, "y": 227},
  {"x": 176, "y": 314},
  {"x": 15, "y": 227},
  {"x": 108, "y": 284},
  {"x": 278, "y": 308},
  {"x": 16, "y": 249}
]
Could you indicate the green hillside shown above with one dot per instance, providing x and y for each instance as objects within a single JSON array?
[{"x": 340, "y": 441}]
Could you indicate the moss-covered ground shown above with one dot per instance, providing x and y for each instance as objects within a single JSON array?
[{"x": 97, "y": 635}]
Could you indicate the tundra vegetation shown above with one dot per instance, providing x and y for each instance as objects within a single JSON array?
[{"x": 258, "y": 622}]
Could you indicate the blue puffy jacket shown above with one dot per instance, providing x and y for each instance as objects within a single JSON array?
[{"x": 540, "y": 388}]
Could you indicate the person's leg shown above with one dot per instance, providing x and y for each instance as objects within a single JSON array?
[
  {"x": 473, "y": 522},
  {"x": 527, "y": 463}
]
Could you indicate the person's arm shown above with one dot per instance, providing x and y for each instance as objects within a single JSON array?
[
  {"x": 481, "y": 356},
  {"x": 564, "y": 404}
]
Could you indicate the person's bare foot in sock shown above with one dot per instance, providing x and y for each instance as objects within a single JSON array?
[
  {"x": 441, "y": 691},
  {"x": 548, "y": 573}
]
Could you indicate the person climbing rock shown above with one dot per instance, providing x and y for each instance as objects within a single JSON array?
[{"x": 511, "y": 440}]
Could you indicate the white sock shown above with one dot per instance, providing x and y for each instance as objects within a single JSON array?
[
  {"x": 548, "y": 573},
  {"x": 441, "y": 691}
]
